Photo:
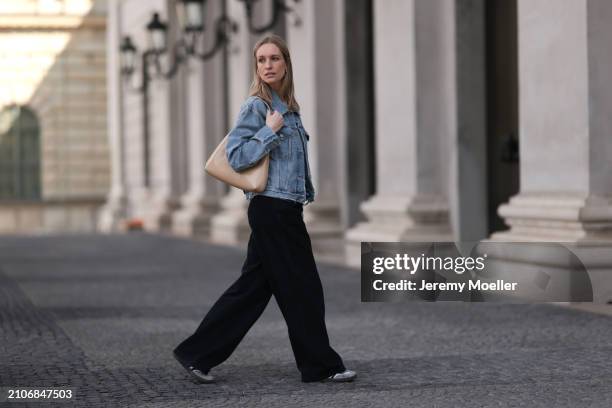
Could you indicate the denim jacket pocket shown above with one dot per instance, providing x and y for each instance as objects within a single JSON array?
[{"x": 283, "y": 151}]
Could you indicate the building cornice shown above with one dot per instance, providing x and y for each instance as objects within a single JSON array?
[{"x": 38, "y": 22}]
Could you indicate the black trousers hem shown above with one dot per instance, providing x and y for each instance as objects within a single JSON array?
[{"x": 309, "y": 379}]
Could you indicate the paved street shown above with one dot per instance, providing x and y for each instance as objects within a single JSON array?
[{"x": 101, "y": 314}]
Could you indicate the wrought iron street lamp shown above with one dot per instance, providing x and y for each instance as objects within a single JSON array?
[
  {"x": 188, "y": 45},
  {"x": 185, "y": 47},
  {"x": 128, "y": 56},
  {"x": 278, "y": 7},
  {"x": 158, "y": 34},
  {"x": 128, "y": 61}
]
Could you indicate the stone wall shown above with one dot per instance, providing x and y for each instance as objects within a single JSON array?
[
  {"x": 71, "y": 105},
  {"x": 53, "y": 60}
]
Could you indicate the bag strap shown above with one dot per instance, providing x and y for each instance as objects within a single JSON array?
[{"x": 265, "y": 103}]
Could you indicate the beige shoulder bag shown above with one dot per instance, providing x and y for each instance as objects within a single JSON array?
[{"x": 253, "y": 179}]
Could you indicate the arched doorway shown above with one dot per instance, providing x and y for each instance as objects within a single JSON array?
[{"x": 19, "y": 154}]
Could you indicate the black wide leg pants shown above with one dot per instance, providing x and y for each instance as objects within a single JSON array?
[{"x": 279, "y": 262}]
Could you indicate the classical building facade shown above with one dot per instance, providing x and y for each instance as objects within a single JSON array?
[
  {"x": 461, "y": 120},
  {"x": 54, "y": 167}
]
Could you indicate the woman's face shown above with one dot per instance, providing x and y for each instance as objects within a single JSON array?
[{"x": 271, "y": 66}]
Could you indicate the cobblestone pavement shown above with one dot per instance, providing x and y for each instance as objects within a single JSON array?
[{"x": 101, "y": 314}]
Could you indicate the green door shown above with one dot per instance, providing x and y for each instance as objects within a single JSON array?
[{"x": 19, "y": 154}]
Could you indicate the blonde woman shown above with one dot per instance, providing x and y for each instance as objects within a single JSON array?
[{"x": 279, "y": 259}]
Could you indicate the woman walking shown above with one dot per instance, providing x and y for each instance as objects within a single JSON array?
[{"x": 279, "y": 258}]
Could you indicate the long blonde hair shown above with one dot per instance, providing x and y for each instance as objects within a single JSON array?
[{"x": 261, "y": 89}]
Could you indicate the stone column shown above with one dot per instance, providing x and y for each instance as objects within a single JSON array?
[
  {"x": 468, "y": 156},
  {"x": 113, "y": 212},
  {"x": 205, "y": 116},
  {"x": 133, "y": 17},
  {"x": 414, "y": 79},
  {"x": 167, "y": 135},
  {"x": 230, "y": 225},
  {"x": 565, "y": 125},
  {"x": 317, "y": 47}
]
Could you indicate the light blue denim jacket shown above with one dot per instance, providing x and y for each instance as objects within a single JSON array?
[{"x": 251, "y": 139}]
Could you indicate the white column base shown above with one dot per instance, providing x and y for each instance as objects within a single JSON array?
[
  {"x": 542, "y": 217},
  {"x": 544, "y": 270},
  {"x": 231, "y": 225},
  {"x": 399, "y": 218},
  {"x": 195, "y": 216},
  {"x": 583, "y": 224},
  {"x": 111, "y": 217},
  {"x": 155, "y": 212},
  {"x": 323, "y": 219},
  {"x": 323, "y": 223}
]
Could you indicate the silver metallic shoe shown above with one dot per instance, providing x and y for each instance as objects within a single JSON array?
[
  {"x": 196, "y": 373},
  {"x": 345, "y": 376},
  {"x": 199, "y": 376}
]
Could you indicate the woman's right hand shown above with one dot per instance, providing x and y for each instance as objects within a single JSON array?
[{"x": 274, "y": 120}]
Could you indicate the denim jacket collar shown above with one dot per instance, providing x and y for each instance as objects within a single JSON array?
[{"x": 278, "y": 104}]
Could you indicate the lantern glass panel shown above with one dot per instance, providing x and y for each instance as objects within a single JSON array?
[
  {"x": 194, "y": 15},
  {"x": 157, "y": 39},
  {"x": 128, "y": 60}
]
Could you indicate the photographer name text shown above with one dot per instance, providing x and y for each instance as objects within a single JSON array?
[{"x": 407, "y": 285}]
